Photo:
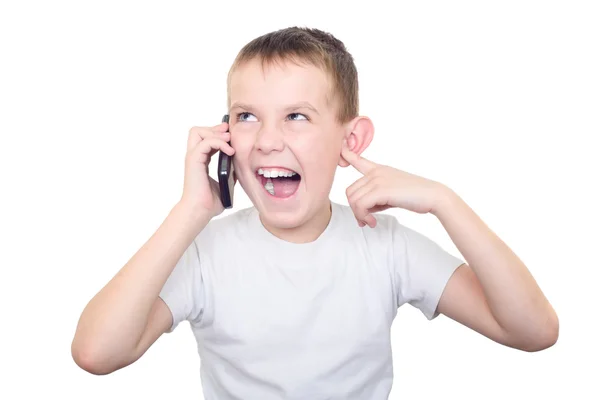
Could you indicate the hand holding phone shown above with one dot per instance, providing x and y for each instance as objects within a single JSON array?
[
  {"x": 201, "y": 194},
  {"x": 226, "y": 175}
]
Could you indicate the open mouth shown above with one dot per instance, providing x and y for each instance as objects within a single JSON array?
[{"x": 279, "y": 182}]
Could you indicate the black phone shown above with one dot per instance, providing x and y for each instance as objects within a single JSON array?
[{"x": 225, "y": 173}]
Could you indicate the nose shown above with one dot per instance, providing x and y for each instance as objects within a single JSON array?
[{"x": 269, "y": 138}]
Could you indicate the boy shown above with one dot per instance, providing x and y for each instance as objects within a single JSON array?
[{"x": 294, "y": 298}]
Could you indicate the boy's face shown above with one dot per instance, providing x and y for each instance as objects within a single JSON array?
[{"x": 282, "y": 123}]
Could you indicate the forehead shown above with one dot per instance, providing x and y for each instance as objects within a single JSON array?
[{"x": 272, "y": 84}]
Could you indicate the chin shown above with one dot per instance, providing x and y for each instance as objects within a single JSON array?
[{"x": 287, "y": 213}]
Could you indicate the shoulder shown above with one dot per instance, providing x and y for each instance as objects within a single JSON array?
[{"x": 388, "y": 231}]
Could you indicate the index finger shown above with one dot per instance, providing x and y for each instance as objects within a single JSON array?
[{"x": 361, "y": 164}]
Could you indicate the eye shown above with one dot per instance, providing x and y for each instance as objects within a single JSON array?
[
  {"x": 242, "y": 117},
  {"x": 296, "y": 116}
]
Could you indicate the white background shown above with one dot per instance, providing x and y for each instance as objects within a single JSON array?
[{"x": 498, "y": 100}]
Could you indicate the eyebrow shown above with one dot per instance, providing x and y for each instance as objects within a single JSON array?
[
  {"x": 302, "y": 104},
  {"x": 243, "y": 106},
  {"x": 292, "y": 107}
]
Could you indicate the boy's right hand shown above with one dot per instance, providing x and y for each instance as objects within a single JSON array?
[{"x": 200, "y": 191}]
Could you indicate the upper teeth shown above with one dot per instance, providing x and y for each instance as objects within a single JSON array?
[{"x": 275, "y": 173}]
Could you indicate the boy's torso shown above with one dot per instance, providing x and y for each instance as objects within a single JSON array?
[{"x": 293, "y": 321}]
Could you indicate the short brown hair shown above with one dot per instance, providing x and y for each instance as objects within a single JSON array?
[{"x": 312, "y": 46}]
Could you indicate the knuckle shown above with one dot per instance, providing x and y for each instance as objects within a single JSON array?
[
  {"x": 200, "y": 131},
  {"x": 216, "y": 143},
  {"x": 359, "y": 202},
  {"x": 211, "y": 143},
  {"x": 362, "y": 204},
  {"x": 351, "y": 198}
]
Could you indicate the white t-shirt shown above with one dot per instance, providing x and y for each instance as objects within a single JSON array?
[{"x": 278, "y": 320}]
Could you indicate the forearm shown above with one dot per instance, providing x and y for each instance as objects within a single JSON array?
[
  {"x": 114, "y": 320},
  {"x": 515, "y": 300}
]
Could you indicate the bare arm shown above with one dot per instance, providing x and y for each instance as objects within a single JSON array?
[
  {"x": 123, "y": 320},
  {"x": 494, "y": 294}
]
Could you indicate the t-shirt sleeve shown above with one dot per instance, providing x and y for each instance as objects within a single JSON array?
[
  {"x": 422, "y": 269},
  {"x": 183, "y": 291}
]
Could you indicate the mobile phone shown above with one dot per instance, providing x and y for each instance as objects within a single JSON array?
[{"x": 225, "y": 174}]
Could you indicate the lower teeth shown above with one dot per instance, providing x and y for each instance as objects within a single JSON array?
[{"x": 269, "y": 187}]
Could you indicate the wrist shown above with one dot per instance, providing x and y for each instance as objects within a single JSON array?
[
  {"x": 190, "y": 217},
  {"x": 444, "y": 200}
]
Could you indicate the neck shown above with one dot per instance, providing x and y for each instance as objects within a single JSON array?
[{"x": 307, "y": 232}]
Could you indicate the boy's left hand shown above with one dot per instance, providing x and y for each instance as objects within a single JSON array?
[{"x": 383, "y": 187}]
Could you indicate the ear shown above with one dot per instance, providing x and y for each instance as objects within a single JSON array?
[{"x": 358, "y": 135}]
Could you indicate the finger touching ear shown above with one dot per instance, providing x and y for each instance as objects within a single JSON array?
[{"x": 358, "y": 137}]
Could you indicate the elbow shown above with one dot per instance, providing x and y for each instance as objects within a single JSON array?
[
  {"x": 546, "y": 337},
  {"x": 88, "y": 358}
]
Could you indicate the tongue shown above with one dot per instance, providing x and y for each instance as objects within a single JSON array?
[{"x": 284, "y": 187}]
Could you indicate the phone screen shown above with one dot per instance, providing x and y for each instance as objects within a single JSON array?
[{"x": 226, "y": 180}]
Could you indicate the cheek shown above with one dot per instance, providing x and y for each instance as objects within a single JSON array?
[
  {"x": 242, "y": 144},
  {"x": 242, "y": 138},
  {"x": 319, "y": 158}
]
